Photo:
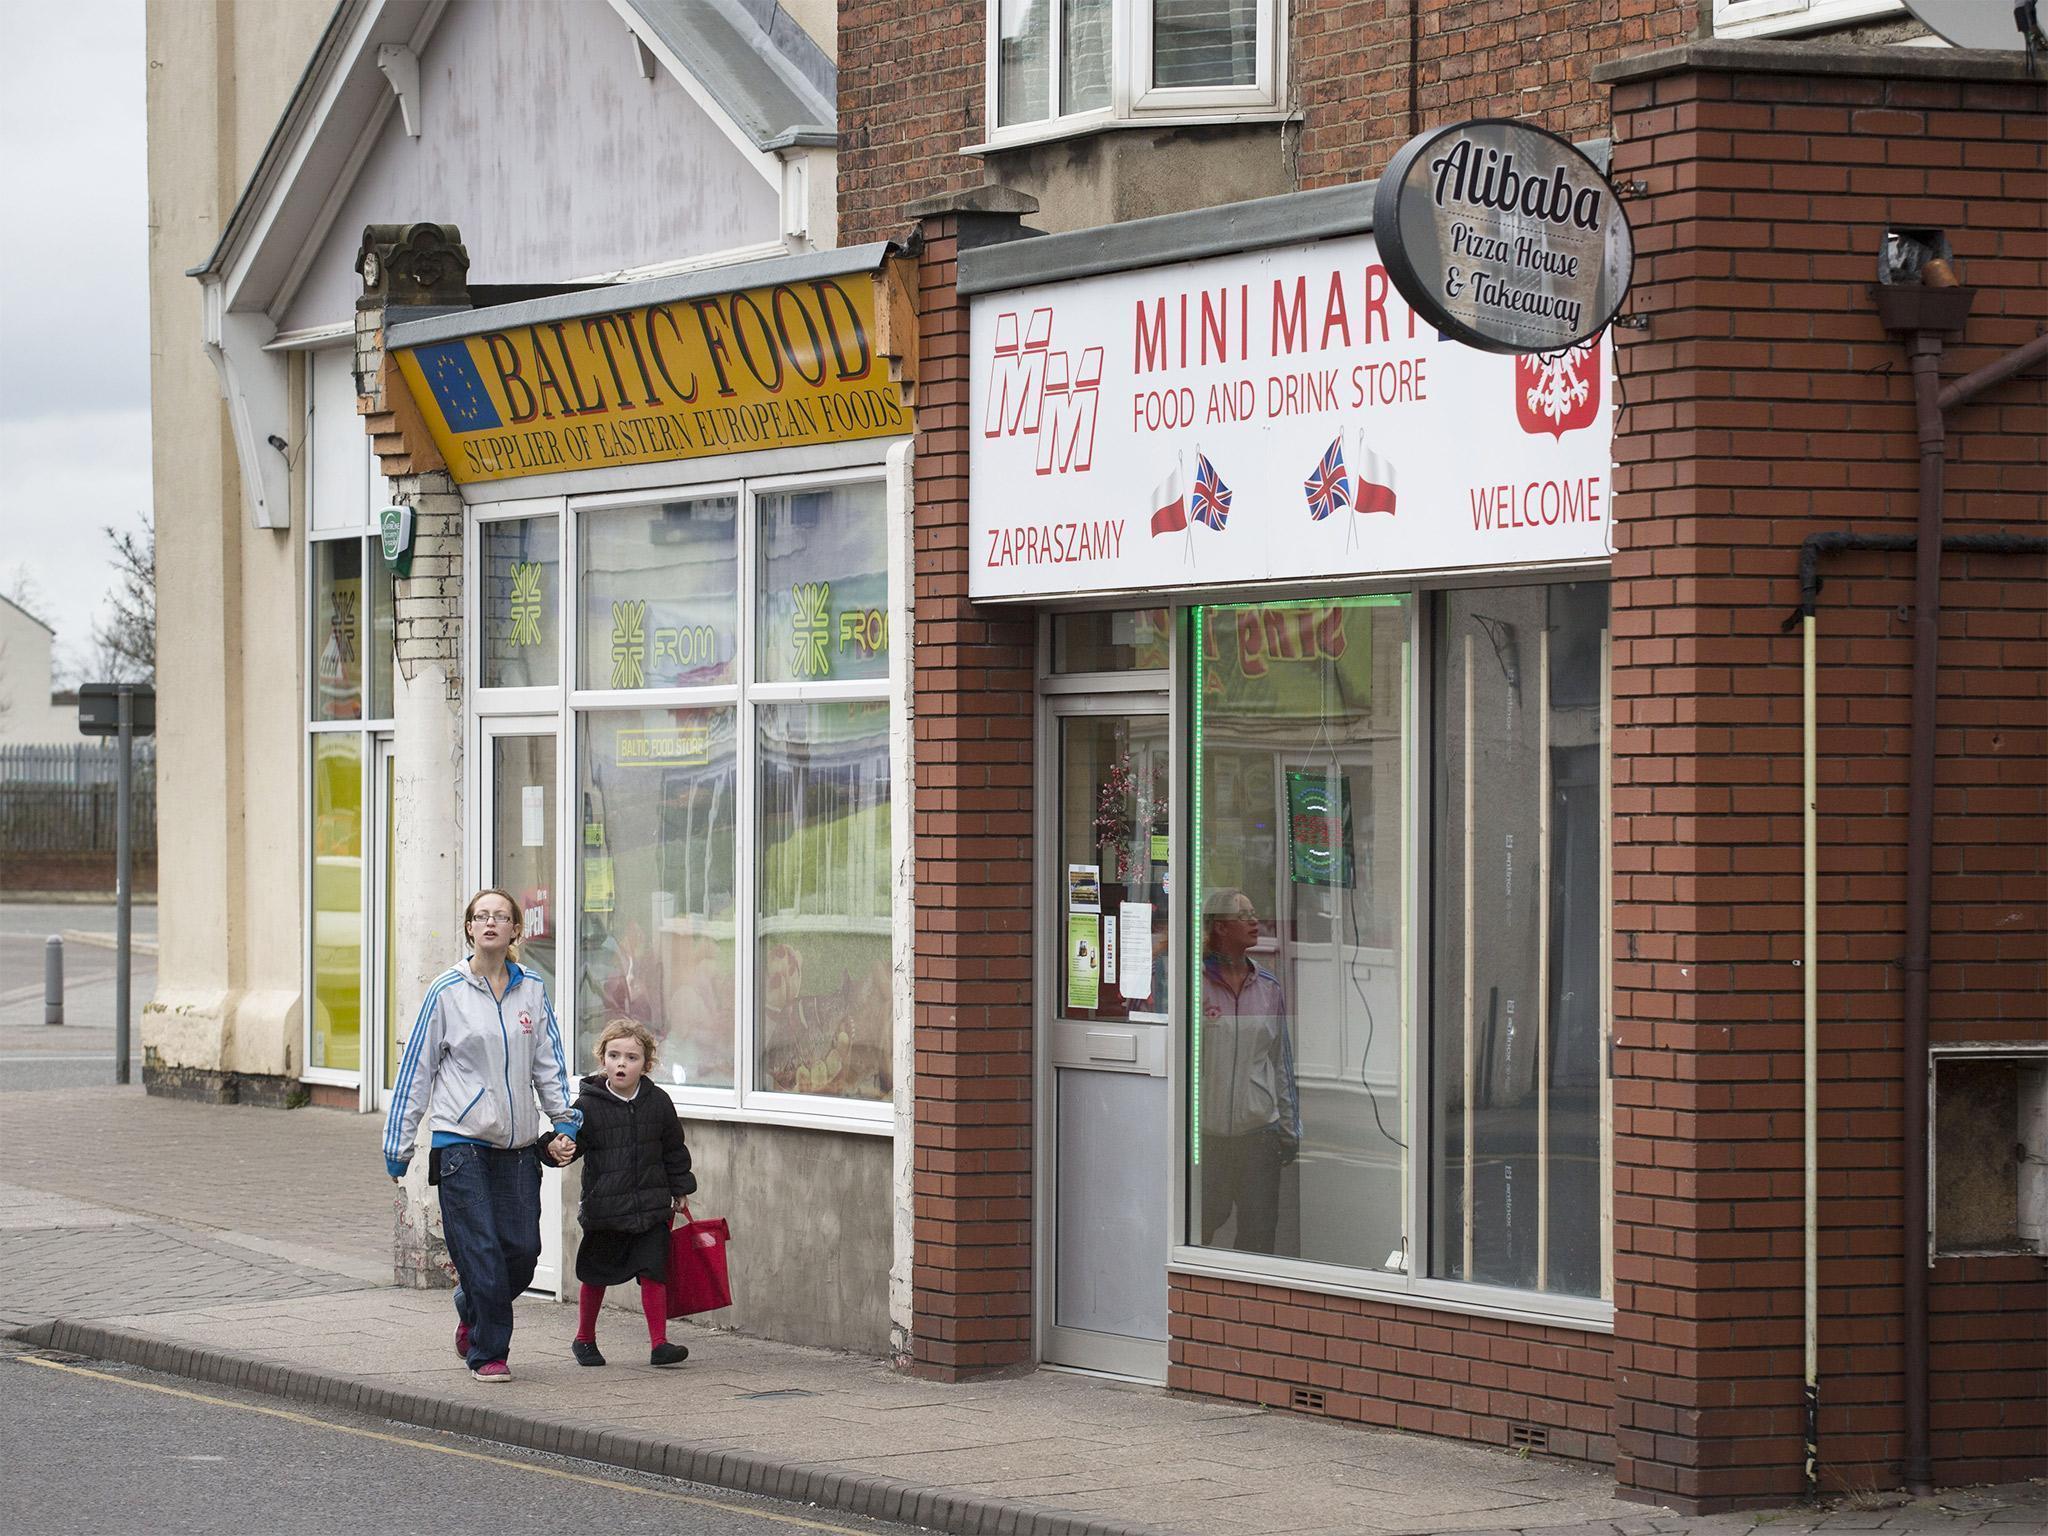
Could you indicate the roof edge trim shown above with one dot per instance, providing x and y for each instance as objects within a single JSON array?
[{"x": 678, "y": 289}]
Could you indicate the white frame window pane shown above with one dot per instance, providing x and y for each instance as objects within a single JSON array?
[
  {"x": 338, "y": 633},
  {"x": 1204, "y": 44},
  {"x": 657, "y": 593},
  {"x": 519, "y": 603},
  {"x": 823, "y": 1015},
  {"x": 335, "y": 1016},
  {"x": 1087, "y": 55},
  {"x": 383, "y": 632},
  {"x": 658, "y": 792},
  {"x": 1020, "y": 49},
  {"x": 823, "y": 564}
]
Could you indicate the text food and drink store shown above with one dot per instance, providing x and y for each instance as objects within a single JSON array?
[
  {"x": 680, "y": 597},
  {"x": 1322, "y": 739}
]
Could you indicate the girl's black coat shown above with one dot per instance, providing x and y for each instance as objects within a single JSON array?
[{"x": 634, "y": 1158}]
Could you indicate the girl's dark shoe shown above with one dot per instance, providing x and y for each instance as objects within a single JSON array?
[
  {"x": 586, "y": 1354},
  {"x": 668, "y": 1354}
]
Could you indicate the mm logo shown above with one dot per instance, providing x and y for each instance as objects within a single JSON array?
[{"x": 1035, "y": 391}]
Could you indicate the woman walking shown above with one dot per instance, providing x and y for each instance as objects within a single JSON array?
[{"x": 484, "y": 1048}]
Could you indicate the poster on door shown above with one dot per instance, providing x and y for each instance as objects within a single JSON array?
[{"x": 1270, "y": 415}]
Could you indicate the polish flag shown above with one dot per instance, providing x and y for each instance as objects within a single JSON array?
[
  {"x": 1374, "y": 490},
  {"x": 1169, "y": 506}
]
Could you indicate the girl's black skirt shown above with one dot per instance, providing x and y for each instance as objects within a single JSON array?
[{"x": 612, "y": 1258}]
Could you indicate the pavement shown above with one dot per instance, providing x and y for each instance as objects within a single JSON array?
[{"x": 249, "y": 1248}]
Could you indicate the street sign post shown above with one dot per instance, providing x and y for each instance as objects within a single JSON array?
[{"x": 125, "y": 710}]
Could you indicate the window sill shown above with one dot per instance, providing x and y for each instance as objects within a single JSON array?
[
  {"x": 1082, "y": 127},
  {"x": 787, "y": 1119},
  {"x": 1585, "y": 1314}
]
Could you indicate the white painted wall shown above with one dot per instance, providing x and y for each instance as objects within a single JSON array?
[
  {"x": 26, "y": 713},
  {"x": 541, "y": 140}
]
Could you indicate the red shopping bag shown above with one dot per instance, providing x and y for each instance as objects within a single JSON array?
[{"x": 697, "y": 1280}]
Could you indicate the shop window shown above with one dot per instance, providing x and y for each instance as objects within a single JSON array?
[
  {"x": 822, "y": 938},
  {"x": 658, "y": 593},
  {"x": 518, "y": 602},
  {"x": 1515, "y": 1049},
  {"x": 339, "y": 630},
  {"x": 824, "y": 582},
  {"x": 659, "y": 791},
  {"x": 335, "y": 1033},
  {"x": 761, "y": 958},
  {"x": 1112, "y": 640},
  {"x": 1298, "y": 1089},
  {"x": 1056, "y": 64}
]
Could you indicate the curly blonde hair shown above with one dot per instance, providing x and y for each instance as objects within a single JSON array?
[{"x": 627, "y": 1029}]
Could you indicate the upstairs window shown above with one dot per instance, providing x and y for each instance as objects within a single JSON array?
[
  {"x": 1058, "y": 65},
  {"x": 1768, "y": 18}
]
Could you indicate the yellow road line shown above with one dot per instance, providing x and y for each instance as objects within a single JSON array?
[{"x": 440, "y": 1450}]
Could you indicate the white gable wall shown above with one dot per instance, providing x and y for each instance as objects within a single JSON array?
[{"x": 542, "y": 141}]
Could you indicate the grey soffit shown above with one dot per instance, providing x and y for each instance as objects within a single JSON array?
[
  {"x": 680, "y": 289},
  {"x": 762, "y": 69},
  {"x": 1293, "y": 218}
]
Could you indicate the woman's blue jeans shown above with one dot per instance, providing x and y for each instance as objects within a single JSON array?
[{"x": 490, "y": 1213}]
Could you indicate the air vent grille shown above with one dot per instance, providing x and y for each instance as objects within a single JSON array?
[
  {"x": 1528, "y": 1437},
  {"x": 1307, "y": 1400}
]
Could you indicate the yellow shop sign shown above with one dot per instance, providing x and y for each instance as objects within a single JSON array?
[{"x": 781, "y": 366}]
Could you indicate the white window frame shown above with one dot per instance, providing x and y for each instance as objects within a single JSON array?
[
  {"x": 1417, "y": 1285},
  {"x": 367, "y": 728},
  {"x": 746, "y": 1100},
  {"x": 1132, "y": 99},
  {"x": 1772, "y": 18}
]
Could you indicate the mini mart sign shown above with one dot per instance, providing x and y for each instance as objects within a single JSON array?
[{"x": 1280, "y": 415}]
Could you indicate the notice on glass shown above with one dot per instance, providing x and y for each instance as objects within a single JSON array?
[
  {"x": 599, "y": 892},
  {"x": 1084, "y": 887},
  {"x": 1084, "y": 959},
  {"x": 1109, "y": 953},
  {"x": 1135, "y": 919},
  {"x": 532, "y": 816}
]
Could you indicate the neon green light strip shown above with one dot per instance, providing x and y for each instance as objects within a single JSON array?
[{"x": 1192, "y": 896}]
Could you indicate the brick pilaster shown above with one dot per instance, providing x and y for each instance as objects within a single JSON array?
[{"x": 973, "y": 699}]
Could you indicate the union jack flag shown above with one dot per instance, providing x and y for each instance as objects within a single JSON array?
[
  {"x": 1328, "y": 487},
  {"x": 1210, "y": 505}
]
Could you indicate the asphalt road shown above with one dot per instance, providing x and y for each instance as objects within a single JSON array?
[
  {"x": 80, "y": 1052},
  {"x": 104, "y": 1450}
]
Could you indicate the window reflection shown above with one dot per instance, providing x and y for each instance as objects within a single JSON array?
[
  {"x": 1515, "y": 1165},
  {"x": 1296, "y": 1057}
]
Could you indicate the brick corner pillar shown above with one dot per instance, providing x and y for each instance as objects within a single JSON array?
[
  {"x": 408, "y": 270},
  {"x": 972, "y": 700},
  {"x": 1764, "y": 403}
]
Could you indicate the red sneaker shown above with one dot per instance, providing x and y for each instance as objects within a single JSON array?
[
  {"x": 462, "y": 1340},
  {"x": 491, "y": 1372}
]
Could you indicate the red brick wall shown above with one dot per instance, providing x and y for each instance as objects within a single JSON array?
[
  {"x": 1763, "y": 403},
  {"x": 1435, "y": 1373},
  {"x": 1504, "y": 58},
  {"x": 973, "y": 705},
  {"x": 911, "y": 85}
]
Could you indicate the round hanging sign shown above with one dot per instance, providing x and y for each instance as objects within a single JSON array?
[{"x": 1503, "y": 236}]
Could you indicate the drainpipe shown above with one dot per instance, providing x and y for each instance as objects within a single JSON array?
[
  {"x": 1805, "y": 618},
  {"x": 1922, "y": 312}
]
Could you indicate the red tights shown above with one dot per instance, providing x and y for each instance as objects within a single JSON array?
[{"x": 653, "y": 1302}]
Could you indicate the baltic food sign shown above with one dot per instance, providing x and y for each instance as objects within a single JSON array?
[
  {"x": 777, "y": 367},
  {"x": 1503, "y": 236},
  {"x": 1274, "y": 415}
]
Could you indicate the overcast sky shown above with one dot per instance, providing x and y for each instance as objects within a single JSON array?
[{"x": 74, "y": 301}]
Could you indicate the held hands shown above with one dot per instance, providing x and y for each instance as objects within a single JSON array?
[{"x": 561, "y": 1149}]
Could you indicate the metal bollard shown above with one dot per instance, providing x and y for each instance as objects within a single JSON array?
[{"x": 53, "y": 979}]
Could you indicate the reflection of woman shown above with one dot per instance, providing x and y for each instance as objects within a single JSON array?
[
  {"x": 1251, "y": 1111},
  {"x": 484, "y": 1047}
]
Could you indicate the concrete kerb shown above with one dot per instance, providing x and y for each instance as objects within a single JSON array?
[{"x": 882, "y": 1498}]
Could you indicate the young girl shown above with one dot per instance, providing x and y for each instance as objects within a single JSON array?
[{"x": 636, "y": 1171}]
